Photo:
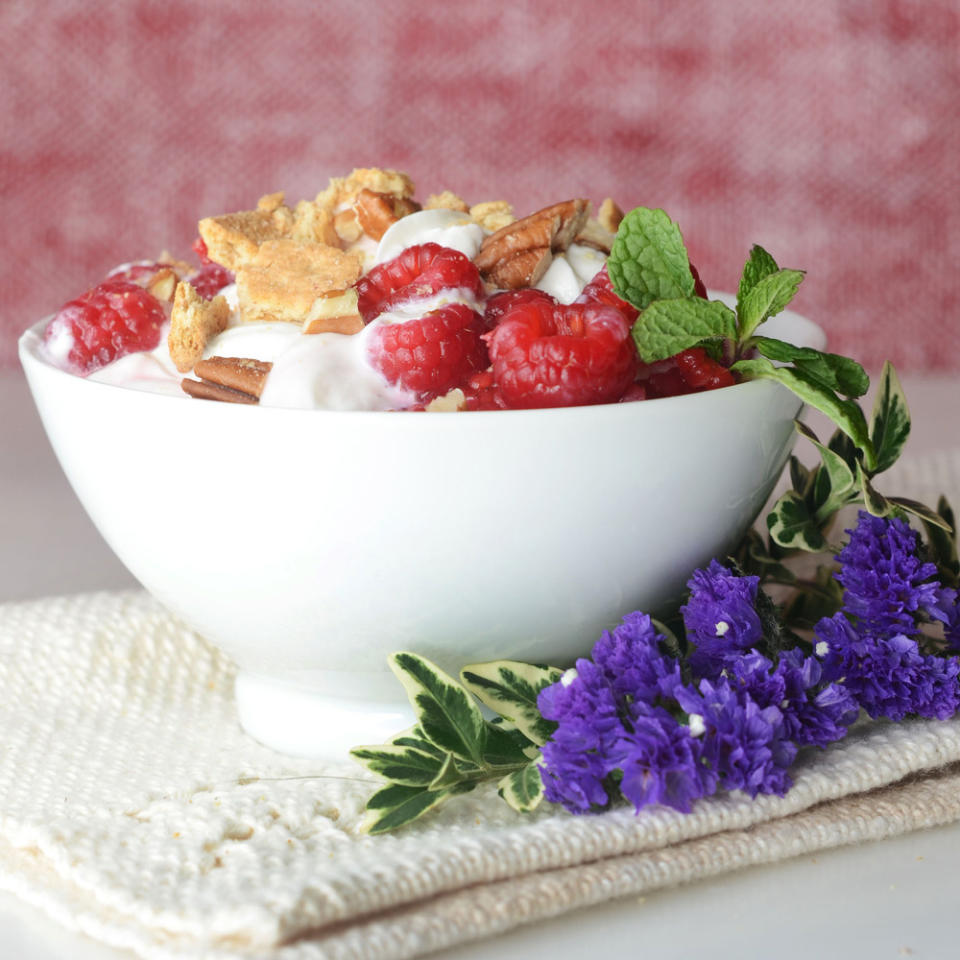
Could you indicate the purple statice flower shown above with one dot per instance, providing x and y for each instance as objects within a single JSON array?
[
  {"x": 814, "y": 712},
  {"x": 720, "y": 617},
  {"x": 660, "y": 761},
  {"x": 609, "y": 721},
  {"x": 888, "y": 675},
  {"x": 886, "y": 586},
  {"x": 744, "y": 744}
]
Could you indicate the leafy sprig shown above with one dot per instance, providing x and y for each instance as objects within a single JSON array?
[{"x": 453, "y": 748}]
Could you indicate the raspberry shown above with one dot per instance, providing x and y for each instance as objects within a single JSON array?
[
  {"x": 481, "y": 392},
  {"x": 111, "y": 320},
  {"x": 430, "y": 355},
  {"x": 501, "y": 303},
  {"x": 551, "y": 355},
  {"x": 419, "y": 272},
  {"x": 690, "y": 371},
  {"x": 210, "y": 279},
  {"x": 600, "y": 290},
  {"x": 140, "y": 273}
]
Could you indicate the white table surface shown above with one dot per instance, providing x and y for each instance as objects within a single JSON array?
[{"x": 886, "y": 899}]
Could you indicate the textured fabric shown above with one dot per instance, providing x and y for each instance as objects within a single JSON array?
[
  {"x": 133, "y": 808},
  {"x": 826, "y": 130}
]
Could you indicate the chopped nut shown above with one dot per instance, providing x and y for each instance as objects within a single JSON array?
[
  {"x": 163, "y": 284},
  {"x": 348, "y": 226},
  {"x": 334, "y": 312},
  {"x": 595, "y": 235},
  {"x": 193, "y": 323},
  {"x": 447, "y": 200},
  {"x": 610, "y": 215},
  {"x": 285, "y": 279},
  {"x": 237, "y": 373},
  {"x": 377, "y": 212},
  {"x": 343, "y": 190},
  {"x": 519, "y": 253},
  {"x": 493, "y": 214},
  {"x": 448, "y": 403}
]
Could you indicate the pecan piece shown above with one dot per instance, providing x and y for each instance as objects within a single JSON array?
[
  {"x": 518, "y": 254},
  {"x": 376, "y": 212},
  {"x": 231, "y": 379}
]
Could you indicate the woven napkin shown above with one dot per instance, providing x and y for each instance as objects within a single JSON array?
[{"x": 134, "y": 809}]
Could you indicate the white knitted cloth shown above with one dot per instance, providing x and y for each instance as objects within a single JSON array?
[{"x": 133, "y": 808}]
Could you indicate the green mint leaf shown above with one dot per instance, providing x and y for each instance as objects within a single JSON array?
[
  {"x": 766, "y": 299},
  {"x": 510, "y": 688},
  {"x": 446, "y": 713},
  {"x": 399, "y": 763},
  {"x": 839, "y": 373},
  {"x": 791, "y": 525},
  {"x": 522, "y": 789},
  {"x": 846, "y": 414},
  {"x": 668, "y": 326},
  {"x": 759, "y": 265},
  {"x": 890, "y": 424},
  {"x": 648, "y": 260},
  {"x": 396, "y": 805}
]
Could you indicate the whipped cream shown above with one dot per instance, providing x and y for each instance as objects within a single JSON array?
[
  {"x": 448, "y": 228},
  {"x": 571, "y": 271}
]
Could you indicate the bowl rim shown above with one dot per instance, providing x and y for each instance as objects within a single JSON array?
[{"x": 30, "y": 349}]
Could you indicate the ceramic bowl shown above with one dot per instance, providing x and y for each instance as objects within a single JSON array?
[{"x": 308, "y": 545}]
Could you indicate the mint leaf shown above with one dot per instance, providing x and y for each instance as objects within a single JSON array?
[
  {"x": 839, "y": 373},
  {"x": 510, "y": 688},
  {"x": 759, "y": 265},
  {"x": 668, "y": 326},
  {"x": 890, "y": 424},
  {"x": 845, "y": 414},
  {"x": 648, "y": 260},
  {"x": 446, "y": 713},
  {"x": 766, "y": 299}
]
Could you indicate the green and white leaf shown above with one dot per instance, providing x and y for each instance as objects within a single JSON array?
[
  {"x": 396, "y": 805},
  {"x": 507, "y": 746},
  {"x": 837, "y": 372},
  {"x": 648, "y": 260},
  {"x": 766, "y": 299},
  {"x": 846, "y": 414},
  {"x": 414, "y": 737},
  {"x": 791, "y": 525},
  {"x": 759, "y": 265},
  {"x": 523, "y": 789},
  {"x": 446, "y": 713},
  {"x": 840, "y": 479},
  {"x": 447, "y": 775},
  {"x": 920, "y": 510},
  {"x": 399, "y": 763},
  {"x": 510, "y": 688},
  {"x": 875, "y": 502},
  {"x": 890, "y": 424},
  {"x": 668, "y": 326}
]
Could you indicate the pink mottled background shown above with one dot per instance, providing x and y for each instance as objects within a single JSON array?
[{"x": 826, "y": 130}]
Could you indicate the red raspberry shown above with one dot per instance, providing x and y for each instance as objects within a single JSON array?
[
  {"x": 141, "y": 272},
  {"x": 111, "y": 320},
  {"x": 481, "y": 392},
  {"x": 691, "y": 371},
  {"x": 417, "y": 273},
  {"x": 503, "y": 302},
  {"x": 210, "y": 279},
  {"x": 600, "y": 290},
  {"x": 551, "y": 355},
  {"x": 430, "y": 355}
]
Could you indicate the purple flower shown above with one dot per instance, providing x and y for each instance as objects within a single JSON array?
[
  {"x": 885, "y": 584},
  {"x": 814, "y": 712},
  {"x": 720, "y": 618},
  {"x": 609, "y": 721},
  {"x": 888, "y": 675},
  {"x": 743, "y": 743}
]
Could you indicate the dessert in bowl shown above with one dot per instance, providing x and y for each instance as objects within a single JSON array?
[{"x": 311, "y": 543}]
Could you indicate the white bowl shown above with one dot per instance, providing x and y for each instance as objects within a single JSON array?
[{"x": 309, "y": 545}]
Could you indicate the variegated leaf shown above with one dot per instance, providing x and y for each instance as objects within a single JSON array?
[
  {"x": 890, "y": 425},
  {"x": 875, "y": 502},
  {"x": 399, "y": 763},
  {"x": 510, "y": 688},
  {"x": 446, "y": 713},
  {"x": 396, "y": 805},
  {"x": 791, "y": 525},
  {"x": 523, "y": 789}
]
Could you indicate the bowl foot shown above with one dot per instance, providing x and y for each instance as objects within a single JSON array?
[{"x": 302, "y": 722}]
